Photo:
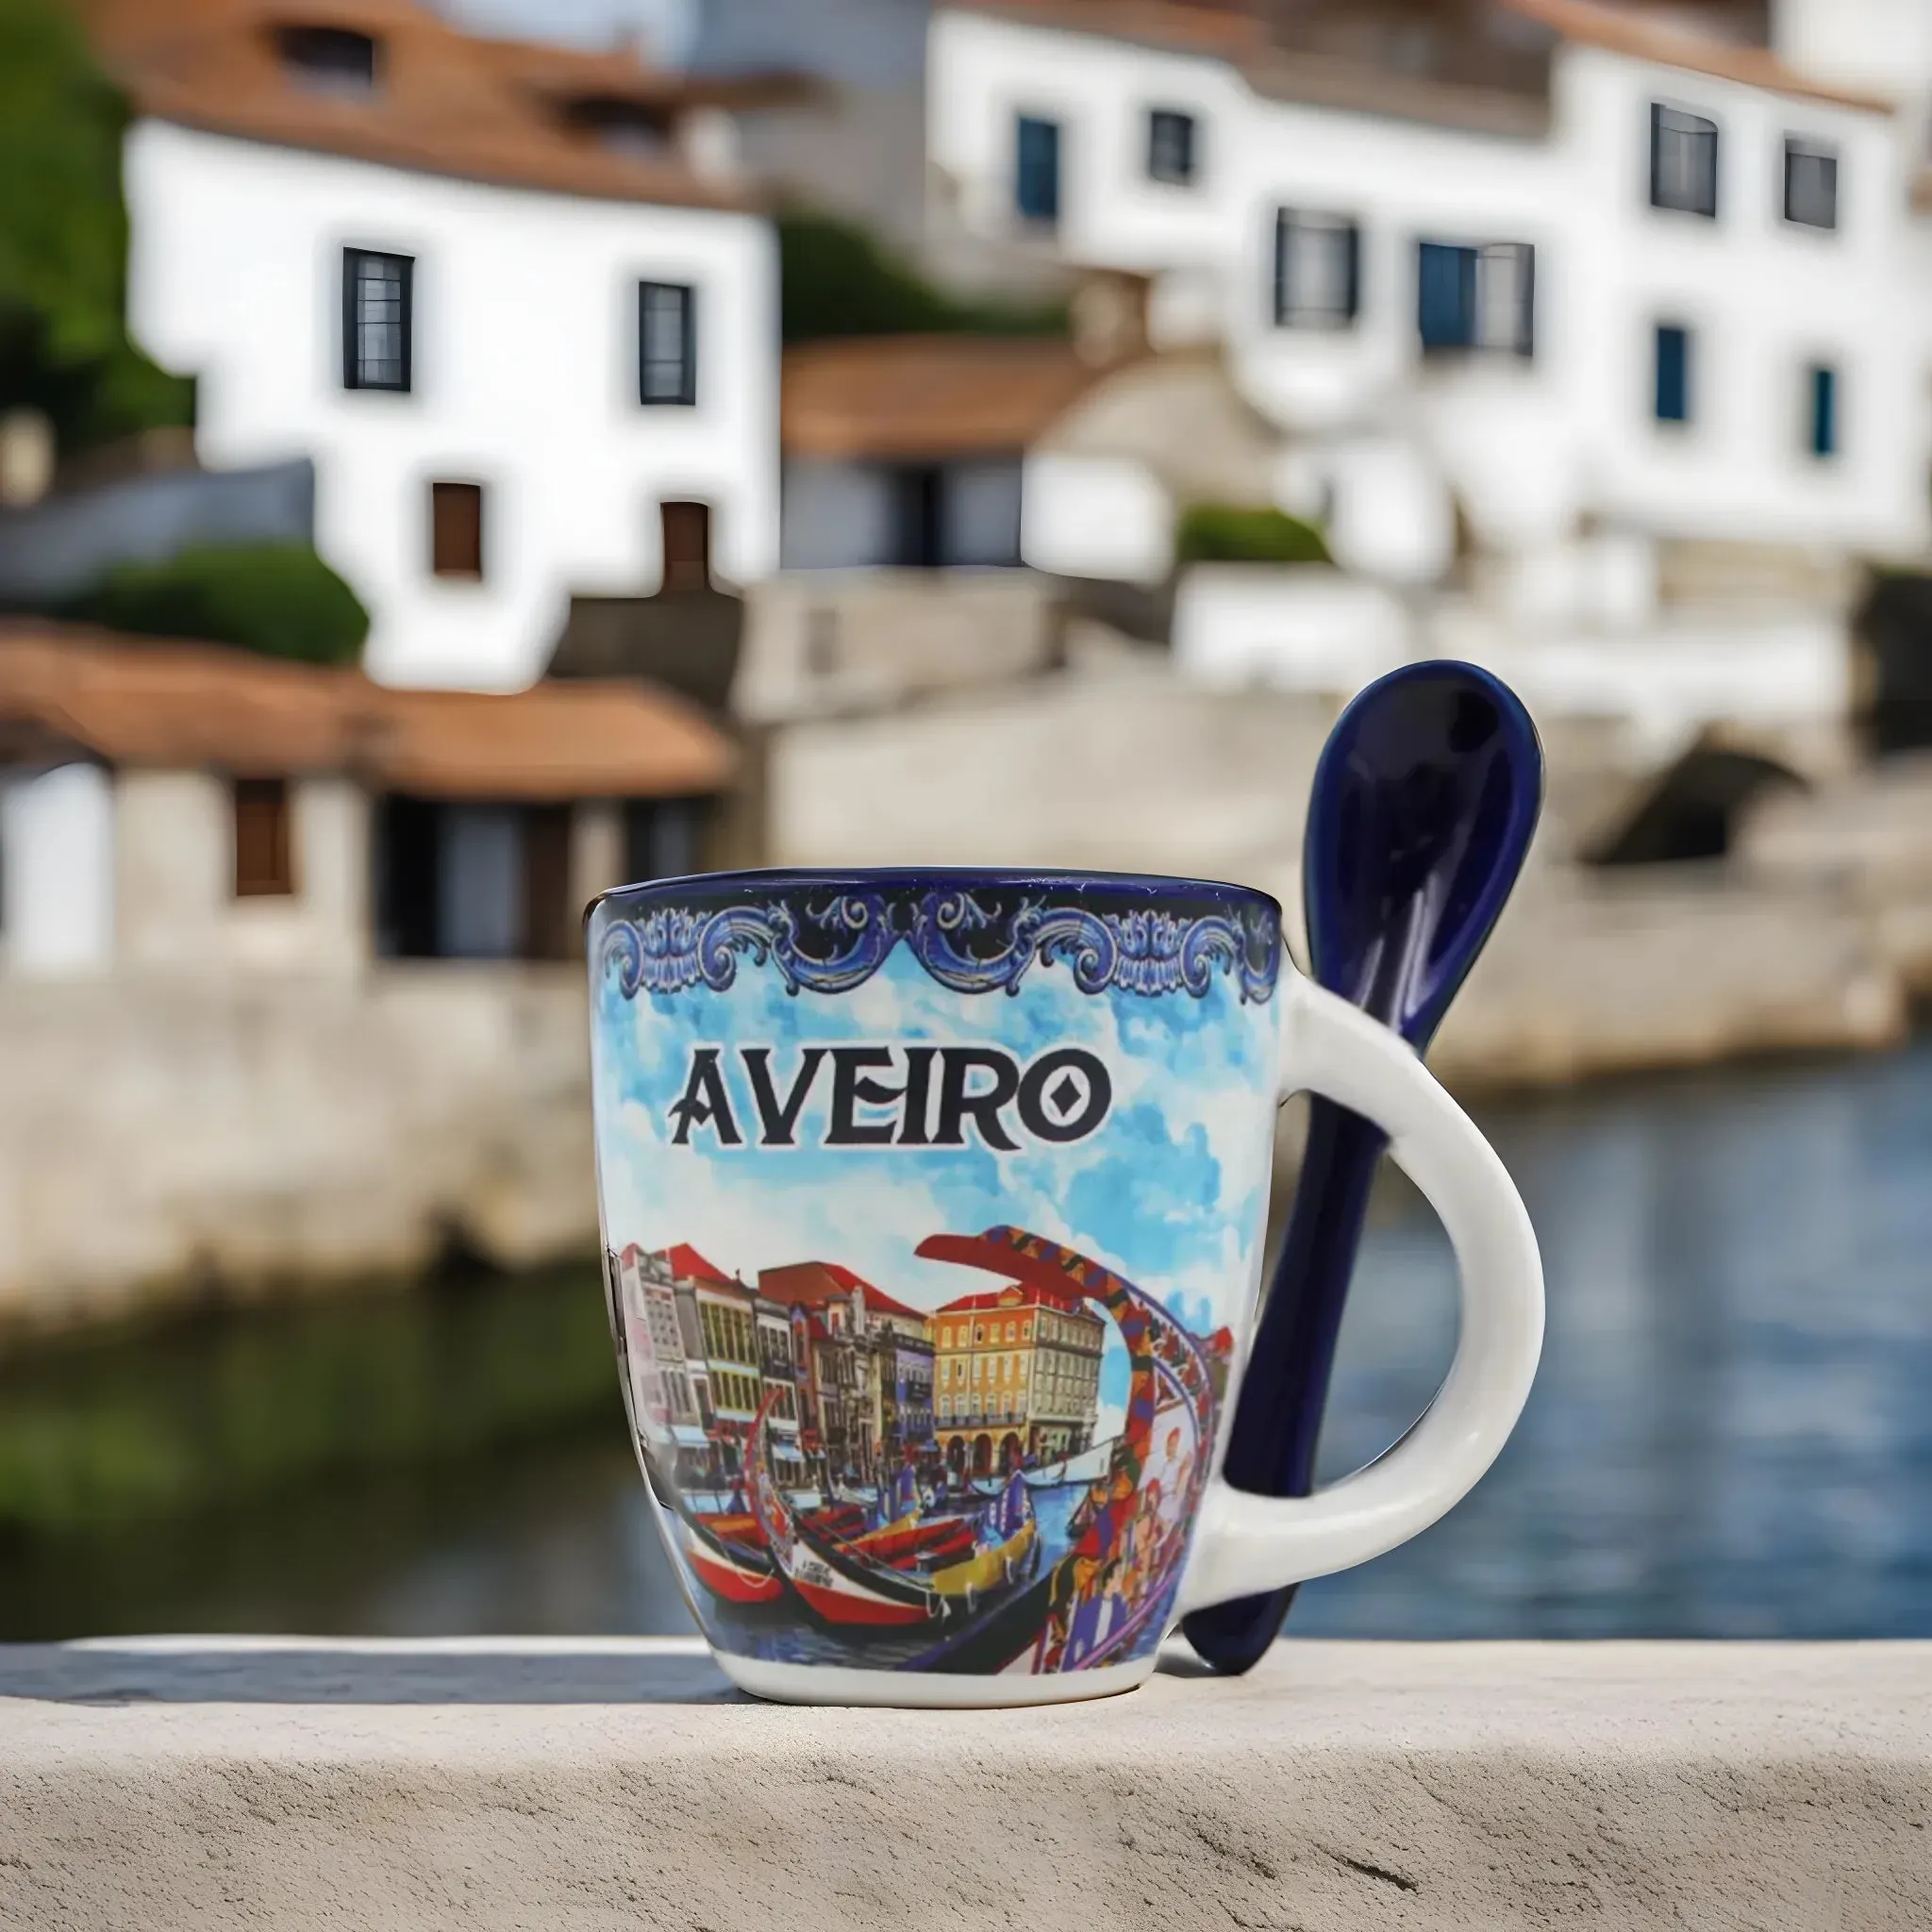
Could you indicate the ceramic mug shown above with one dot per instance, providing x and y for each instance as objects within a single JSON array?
[{"x": 933, "y": 1208}]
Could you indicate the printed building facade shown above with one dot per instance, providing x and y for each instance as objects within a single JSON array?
[{"x": 1018, "y": 1378}]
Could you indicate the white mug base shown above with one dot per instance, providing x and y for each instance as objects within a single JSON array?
[{"x": 925, "y": 1689}]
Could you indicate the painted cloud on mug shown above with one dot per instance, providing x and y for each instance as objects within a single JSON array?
[{"x": 930, "y": 1219}]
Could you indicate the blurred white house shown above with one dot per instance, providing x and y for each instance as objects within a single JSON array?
[
  {"x": 171, "y": 810},
  {"x": 1596, "y": 337},
  {"x": 514, "y": 302}
]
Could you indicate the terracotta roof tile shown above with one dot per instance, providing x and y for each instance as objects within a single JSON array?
[
  {"x": 1618, "y": 31},
  {"x": 444, "y": 102},
  {"x": 136, "y": 701},
  {"x": 1287, "y": 66},
  {"x": 1239, "y": 32},
  {"x": 887, "y": 397},
  {"x": 1223, "y": 27}
]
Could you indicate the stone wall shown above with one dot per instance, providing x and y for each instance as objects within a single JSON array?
[
  {"x": 190, "y": 1126},
  {"x": 1130, "y": 770},
  {"x": 175, "y": 903},
  {"x": 824, "y": 642},
  {"x": 166, "y": 1138},
  {"x": 1594, "y": 973}
]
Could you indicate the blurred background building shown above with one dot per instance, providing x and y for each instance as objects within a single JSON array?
[{"x": 455, "y": 458}]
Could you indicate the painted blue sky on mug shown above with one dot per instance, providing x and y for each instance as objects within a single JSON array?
[{"x": 1168, "y": 1190}]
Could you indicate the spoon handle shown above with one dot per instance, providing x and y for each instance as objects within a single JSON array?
[{"x": 1270, "y": 1450}]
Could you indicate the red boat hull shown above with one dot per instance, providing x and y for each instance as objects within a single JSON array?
[
  {"x": 724, "y": 1578},
  {"x": 841, "y": 1606}
]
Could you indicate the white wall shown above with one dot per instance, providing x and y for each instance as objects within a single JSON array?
[
  {"x": 1096, "y": 516},
  {"x": 1765, "y": 298},
  {"x": 982, "y": 71},
  {"x": 1881, "y": 45},
  {"x": 1319, "y": 634},
  {"x": 1529, "y": 447},
  {"x": 57, "y": 871},
  {"x": 525, "y": 380},
  {"x": 824, "y": 641},
  {"x": 175, "y": 857},
  {"x": 1304, "y": 628}
]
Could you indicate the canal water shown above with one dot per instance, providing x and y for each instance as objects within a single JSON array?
[{"x": 1731, "y": 1435}]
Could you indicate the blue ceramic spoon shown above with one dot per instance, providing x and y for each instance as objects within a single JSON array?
[{"x": 1424, "y": 803}]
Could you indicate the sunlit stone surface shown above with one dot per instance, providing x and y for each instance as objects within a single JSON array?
[{"x": 583, "y": 1783}]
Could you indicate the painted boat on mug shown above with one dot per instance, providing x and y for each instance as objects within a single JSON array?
[
  {"x": 728, "y": 1552},
  {"x": 1053, "y": 1563},
  {"x": 912, "y": 1571}
]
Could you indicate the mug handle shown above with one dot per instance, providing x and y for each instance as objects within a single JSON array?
[{"x": 1249, "y": 1544}]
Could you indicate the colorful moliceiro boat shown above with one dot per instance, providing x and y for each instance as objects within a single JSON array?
[
  {"x": 727, "y": 1556},
  {"x": 913, "y": 1571},
  {"x": 725, "y": 1549}
]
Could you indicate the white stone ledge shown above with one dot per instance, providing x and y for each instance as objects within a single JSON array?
[{"x": 619, "y": 1784}]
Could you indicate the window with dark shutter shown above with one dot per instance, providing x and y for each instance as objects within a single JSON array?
[
  {"x": 1171, "y": 140},
  {"x": 1683, "y": 161},
  {"x": 331, "y": 60},
  {"x": 1810, "y": 184},
  {"x": 456, "y": 529},
  {"x": 625, "y": 127},
  {"x": 264, "y": 850},
  {"x": 1317, "y": 270},
  {"x": 667, "y": 343},
  {"x": 1036, "y": 169},
  {"x": 1671, "y": 403},
  {"x": 1477, "y": 298},
  {"x": 1821, "y": 397},
  {"x": 378, "y": 323}
]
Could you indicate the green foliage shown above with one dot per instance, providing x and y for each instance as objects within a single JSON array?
[
  {"x": 1229, "y": 533},
  {"x": 103, "y": 1434},
  {"x": 280, "y": 599},
  {"x": 63, "y": 229},
  {"x": 126, "y": 393},
  {"x": 836, "y": 279},
  {"x": 64, "y": 238}
]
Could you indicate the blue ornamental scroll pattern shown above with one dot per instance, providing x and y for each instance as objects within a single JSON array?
[
  {"x": 836, "y": 945},
  {"x": 672, "y": 948}
]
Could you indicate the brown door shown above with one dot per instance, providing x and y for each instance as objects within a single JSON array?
[
  {"x": 687, "y": 545},
  {"x": 550, "y": 921}
]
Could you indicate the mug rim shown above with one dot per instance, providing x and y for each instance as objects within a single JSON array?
[{"x": 1146, "y": 885}]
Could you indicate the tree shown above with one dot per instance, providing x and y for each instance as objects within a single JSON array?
[
  {"x": 836, "y": 279},
  {"x": 279, "y": 599},
  {"x": 64, "y": 238}
]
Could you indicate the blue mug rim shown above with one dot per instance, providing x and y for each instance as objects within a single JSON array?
[{"x": 1147, "y": 885}]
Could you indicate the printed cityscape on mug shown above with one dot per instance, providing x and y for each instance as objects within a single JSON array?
[{"x": 929, "y": 1230}]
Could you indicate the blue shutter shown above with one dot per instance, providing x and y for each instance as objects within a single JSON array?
[
  {"x": 1823, "y": 413},
  {"x": 1445, "y": 309},
  {"x": 1673, "y": 374},
  {"x": 1036, "y": 169}
]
